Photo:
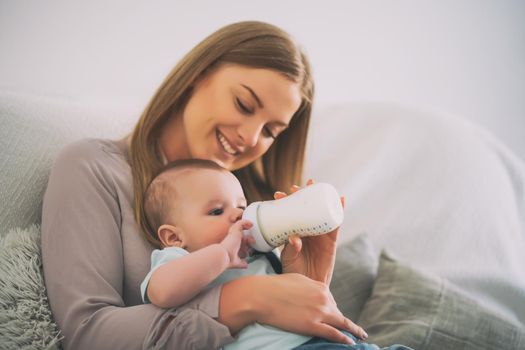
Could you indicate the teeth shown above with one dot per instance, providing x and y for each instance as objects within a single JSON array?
[{"x": 227, "y": 147}]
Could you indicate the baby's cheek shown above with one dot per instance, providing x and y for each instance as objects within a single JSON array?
[{"x": 217, "y": 235}]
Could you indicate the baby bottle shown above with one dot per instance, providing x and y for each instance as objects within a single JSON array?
[{"x": 313, "y": 210}]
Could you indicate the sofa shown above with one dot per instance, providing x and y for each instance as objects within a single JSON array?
[{"x": 433, "y": 236}]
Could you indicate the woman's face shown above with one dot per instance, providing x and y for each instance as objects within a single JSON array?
[{"x": 232, "y": 117}]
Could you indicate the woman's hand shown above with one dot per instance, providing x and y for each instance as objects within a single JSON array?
[
  {"x": 312, "y": 256},
  {"x": 291, "y": 302}
]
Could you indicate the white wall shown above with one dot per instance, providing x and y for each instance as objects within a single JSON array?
[{"x": 466, "y": 57}]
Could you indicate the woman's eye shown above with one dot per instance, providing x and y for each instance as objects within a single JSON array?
[
  {"x": 244, "y": 109},
  {"x": 268, "y": 133},
  {"x": 216, "y": 212}
]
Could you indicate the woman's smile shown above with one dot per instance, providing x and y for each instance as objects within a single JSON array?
[{"x": 225, "y": 145}]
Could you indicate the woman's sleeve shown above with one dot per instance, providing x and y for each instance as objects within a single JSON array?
[{"x": 82, "y": 252}]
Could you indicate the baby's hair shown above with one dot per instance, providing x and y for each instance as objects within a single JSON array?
[{"x": 161, "y": 191}]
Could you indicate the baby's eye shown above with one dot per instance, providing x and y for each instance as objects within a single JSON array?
[{"x": 216, "y": 211}]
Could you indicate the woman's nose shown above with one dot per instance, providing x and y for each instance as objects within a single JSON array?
[{"x": 250, "y": 132}]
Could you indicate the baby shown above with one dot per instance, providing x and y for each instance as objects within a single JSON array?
[{"x": 195, "y": 207}]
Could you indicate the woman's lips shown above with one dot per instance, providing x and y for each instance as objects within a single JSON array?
[{"x": 225, "y": 145}]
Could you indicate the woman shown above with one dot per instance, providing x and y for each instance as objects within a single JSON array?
[{"x": 241, "y": 98}]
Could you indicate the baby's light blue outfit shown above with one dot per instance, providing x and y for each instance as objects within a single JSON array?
[{"x": 254, "y": 336}]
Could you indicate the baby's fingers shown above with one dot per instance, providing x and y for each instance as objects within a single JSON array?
[
  {"x": 239, "y": 264},
  {"x": 244, "y": 224},
  {"x": 246, "y": 246}
]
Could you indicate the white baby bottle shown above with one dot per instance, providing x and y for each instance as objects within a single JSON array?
[{"x": 313, "y": 210}]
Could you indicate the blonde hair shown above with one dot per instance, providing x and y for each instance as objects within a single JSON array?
[{"x": 251, "y": 44}]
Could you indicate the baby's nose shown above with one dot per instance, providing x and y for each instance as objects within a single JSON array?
[{"x": 237, "y": 215}]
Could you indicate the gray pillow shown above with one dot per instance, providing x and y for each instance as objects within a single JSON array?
[
  {"x": 26, "y": 321},
  {"x": 354, "y": 275},
  {"x": 425, "y": 312}
]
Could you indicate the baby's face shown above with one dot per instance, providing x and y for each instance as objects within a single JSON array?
[{"x": 209, "y": 202}]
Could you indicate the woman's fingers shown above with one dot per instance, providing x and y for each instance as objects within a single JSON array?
[
  {"x": 279, "y": 195},
  {"x": 354, "y": 329},
  {"x": 296, "y": 243},
  {"x": 341, "y": 322},
  {"x": 294, "y": 188},
  {"x": 328, "y": 332}
]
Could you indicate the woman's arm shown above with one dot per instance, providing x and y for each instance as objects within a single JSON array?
[
  {"x": 84, "y": 249},
  {"x": 292, "y": 302}
]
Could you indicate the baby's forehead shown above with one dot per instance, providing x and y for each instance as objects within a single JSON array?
[
  {"x": 197, "y": 178},
  {"x": 197, "y": 174}
]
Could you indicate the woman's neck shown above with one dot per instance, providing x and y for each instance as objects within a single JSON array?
[{"x": 172, "y": 142}]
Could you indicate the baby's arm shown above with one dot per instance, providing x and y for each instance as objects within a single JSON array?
[{"x": 176, "y": 282}]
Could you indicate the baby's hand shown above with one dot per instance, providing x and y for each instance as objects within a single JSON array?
[{"x": 237, "y": 245}]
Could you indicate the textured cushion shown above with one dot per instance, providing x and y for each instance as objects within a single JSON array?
[
  {"x": 25, "y": 317},
  {"x": 425, "y": 312},
  {"x": 354, "y": 275},
  {"x": 33, "y": 130}
]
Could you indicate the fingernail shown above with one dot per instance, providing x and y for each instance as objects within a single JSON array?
[
  {"x": 350, "y": 341},
  {"x": 364, "y": 335}
]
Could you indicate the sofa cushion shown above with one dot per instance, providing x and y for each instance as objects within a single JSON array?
[
  {"x": 415, "y": 308},
  {"x": 354, "y": 274},
  {"x": 34, "y": 129}
]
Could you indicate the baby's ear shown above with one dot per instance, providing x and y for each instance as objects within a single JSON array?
[{"x": 170, "y": 236}]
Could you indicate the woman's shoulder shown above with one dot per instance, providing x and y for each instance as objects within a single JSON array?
[
  {"x": 91, "y": 151},
  {"x": 92, "y": 146},
  {"x": 101, "y": 158}
]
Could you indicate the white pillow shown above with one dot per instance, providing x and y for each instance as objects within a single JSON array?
[{"x": 437, "y": 191}]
